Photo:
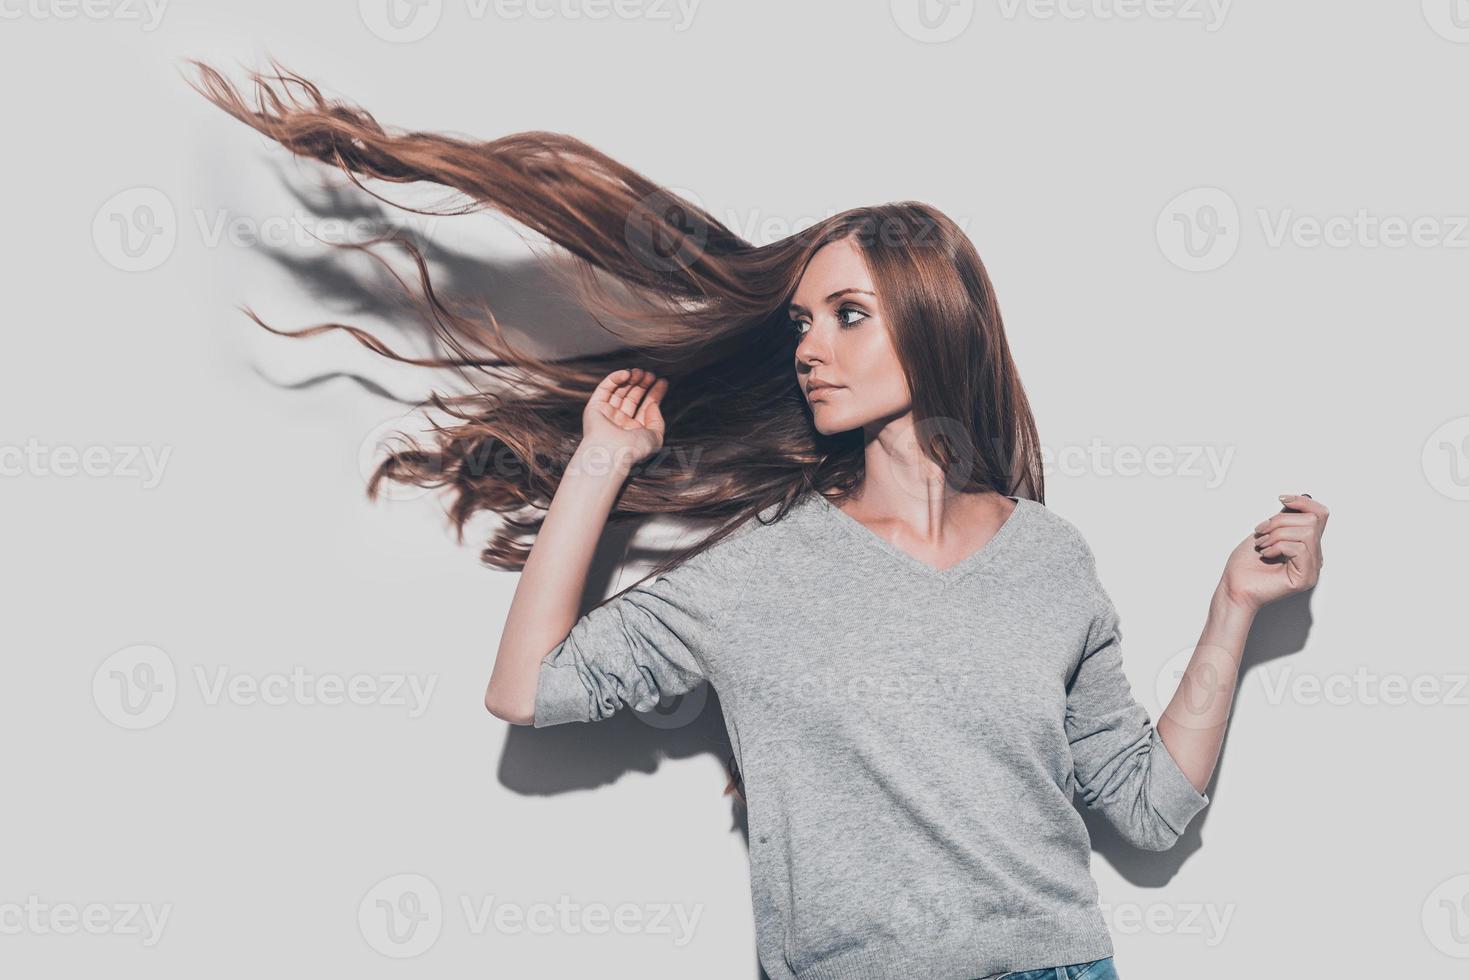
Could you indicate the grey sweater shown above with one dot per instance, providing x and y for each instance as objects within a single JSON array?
[{"x": 909, "y": 738}]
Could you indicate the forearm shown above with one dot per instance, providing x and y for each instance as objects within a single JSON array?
[
  {"x": 1192, "y": 726},
  {"x": 547, "y": 598}
]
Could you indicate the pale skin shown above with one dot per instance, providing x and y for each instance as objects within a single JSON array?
[{"x": 844, "y": 342}]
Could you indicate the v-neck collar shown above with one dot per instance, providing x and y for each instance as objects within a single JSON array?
[{"x": 865, "y": 535}]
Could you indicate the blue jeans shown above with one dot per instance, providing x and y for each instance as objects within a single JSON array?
[{"x": 1101, "y": 969}]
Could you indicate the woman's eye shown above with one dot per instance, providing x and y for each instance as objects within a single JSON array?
[{"x": 801, "y": 327}]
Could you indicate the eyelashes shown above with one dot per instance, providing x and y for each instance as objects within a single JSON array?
[{"x": 796, "y": 325}]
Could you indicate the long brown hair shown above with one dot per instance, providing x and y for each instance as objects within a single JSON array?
[{"x": 690, "y": 300}]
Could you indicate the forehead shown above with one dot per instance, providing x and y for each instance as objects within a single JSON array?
[{"x": 836, "y": 265}]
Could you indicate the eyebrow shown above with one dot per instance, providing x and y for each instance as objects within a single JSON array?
[{"x": 793, "y": 307}]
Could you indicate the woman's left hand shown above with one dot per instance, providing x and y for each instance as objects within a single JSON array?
[{"x": 1282, "y": 557}]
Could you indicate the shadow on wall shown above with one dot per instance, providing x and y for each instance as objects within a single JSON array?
[
  {"x": 1279, "y": 630},
  {"x": 538, "y": 313},
  {"x": 535, "y": 307}
]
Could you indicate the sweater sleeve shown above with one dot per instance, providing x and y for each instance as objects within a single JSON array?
[
  {"x": 1122, "y": 765},
  {"x": 652, "y": 641}
]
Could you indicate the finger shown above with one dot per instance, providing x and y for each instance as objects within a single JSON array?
[
  {"x": 1303, "y": 503},
  {"x": 634, "y": 397},
  {"x": 650, "y": 408},
  {"x": 610, "y": 384},
  {"x": 1285, "y": 519},
  {"x": 1302, "y": 534},
  {"x": 619, "y": 396},
  {"x": 1290, "y": 549}
]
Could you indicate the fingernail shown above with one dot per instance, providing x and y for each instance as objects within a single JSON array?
[{"x": 1287, "y": 497}]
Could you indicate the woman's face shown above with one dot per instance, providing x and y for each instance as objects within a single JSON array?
[{"x": 844, "y": 342}]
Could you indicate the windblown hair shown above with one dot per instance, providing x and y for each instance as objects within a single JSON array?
[{"x": 693, "y": 301}]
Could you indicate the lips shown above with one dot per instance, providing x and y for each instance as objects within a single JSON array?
[{"x": 819, "y": 388}]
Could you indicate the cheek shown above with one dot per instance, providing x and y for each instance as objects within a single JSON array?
[{"x": 878, "y": 372}]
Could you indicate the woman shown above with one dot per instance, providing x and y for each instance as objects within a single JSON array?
[{"x": 916, "y": 659}]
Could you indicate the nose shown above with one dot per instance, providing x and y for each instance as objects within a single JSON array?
[{"x": 811, "y": 351}]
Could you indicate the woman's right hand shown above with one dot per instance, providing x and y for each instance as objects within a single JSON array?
[{"x": 622, "y": 417}]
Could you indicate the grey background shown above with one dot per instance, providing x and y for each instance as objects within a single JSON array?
[{"x": 1146, "y": 317}]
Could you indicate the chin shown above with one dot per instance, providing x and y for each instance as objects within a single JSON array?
[{"x": 831, "y": 423}]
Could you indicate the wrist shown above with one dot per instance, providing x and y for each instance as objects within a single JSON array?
[
  {"x": 1231, "y": 605},
  {"x": 597, "y": 462}
]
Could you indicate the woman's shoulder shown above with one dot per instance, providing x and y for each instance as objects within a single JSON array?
[{"x": 1058, "y": 532}]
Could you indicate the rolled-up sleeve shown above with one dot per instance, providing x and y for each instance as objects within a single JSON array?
[
  {"x": 1122, "y": 766},
  {"x": 652, "y": 641}
]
